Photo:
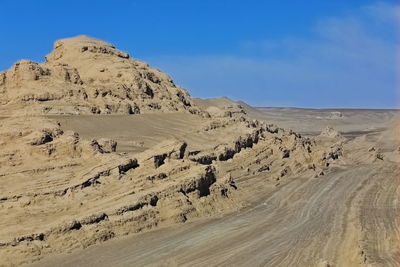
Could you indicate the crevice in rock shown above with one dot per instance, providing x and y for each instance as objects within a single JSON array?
[
  {"x": 132, "y": 164},
  {"x": 159, "y": 160},
  {"x": 201, "y": 184}
]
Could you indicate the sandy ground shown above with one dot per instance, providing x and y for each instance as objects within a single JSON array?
[
  {"x": 347, "y": 217},
  {"x": 133, "y": 133}
]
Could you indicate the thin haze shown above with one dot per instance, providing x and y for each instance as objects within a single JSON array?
[{"x": 267, "y": 53}]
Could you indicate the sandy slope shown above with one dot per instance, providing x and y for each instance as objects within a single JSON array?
[
  {"x": 133, "y": 133},
  {"x": 62, "y": 191},
  {"x": 348, "y": 217},
  {"x": 299, "y": 225}
]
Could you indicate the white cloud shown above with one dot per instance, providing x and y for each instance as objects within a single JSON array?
[
  {"x": 384, "y": 12},
  {"x": 350, "y": 62}
]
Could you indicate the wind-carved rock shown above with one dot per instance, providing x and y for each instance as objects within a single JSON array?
[{"x": 83, "y": 75}]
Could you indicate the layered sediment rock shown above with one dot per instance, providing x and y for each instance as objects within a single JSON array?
[{"x": 83, "y": 75}]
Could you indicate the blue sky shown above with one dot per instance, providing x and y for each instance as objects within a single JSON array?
[{"x": 340, "y": 53}]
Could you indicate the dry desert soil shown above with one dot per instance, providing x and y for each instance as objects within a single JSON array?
[{"x": 104, "y": 161}]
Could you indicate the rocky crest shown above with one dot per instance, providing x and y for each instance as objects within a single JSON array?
[{"x": 83, "y": 75}]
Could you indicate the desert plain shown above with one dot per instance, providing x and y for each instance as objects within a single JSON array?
[{"x": 105, "y": 161}]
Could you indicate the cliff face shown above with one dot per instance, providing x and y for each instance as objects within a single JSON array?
[{"x": 83, "y": 75}]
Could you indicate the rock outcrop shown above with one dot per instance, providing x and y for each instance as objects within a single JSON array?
[
  {"x": 330, "y": 133},
  {"x": 83, "y": 75}
]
